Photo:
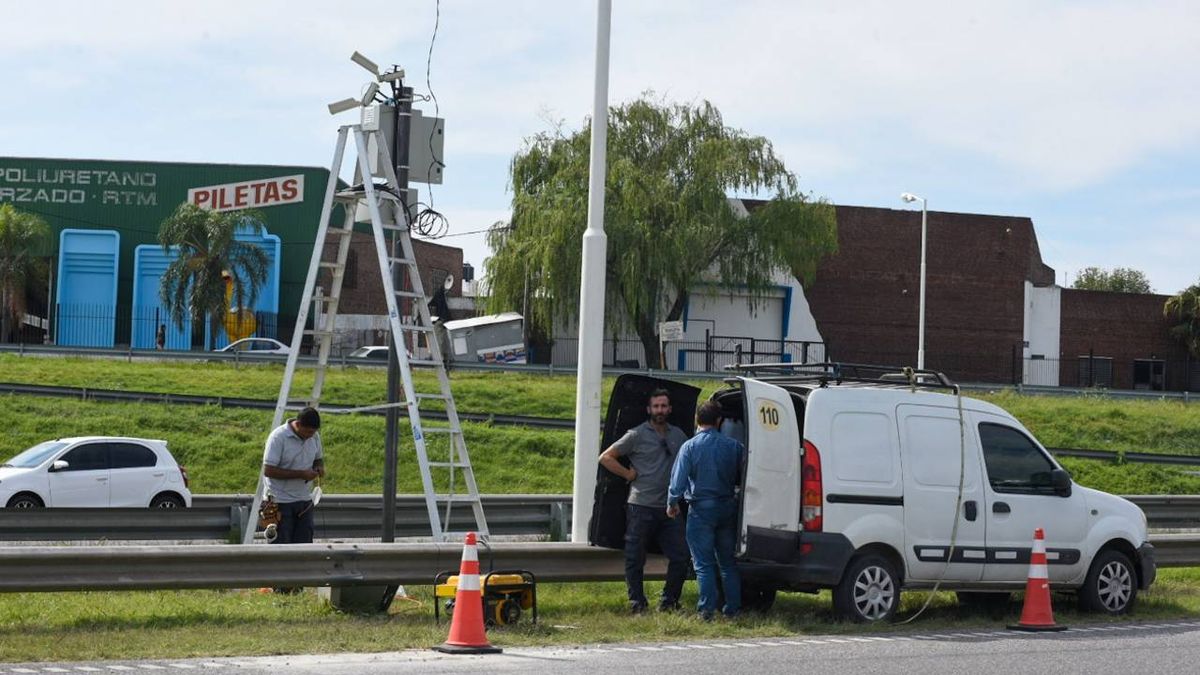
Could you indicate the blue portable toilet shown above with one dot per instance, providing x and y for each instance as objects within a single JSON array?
[
  {"x": 86, "y": 315},
  {"x": 150, "y": 262},
  {"x": 266, "y": 307}
]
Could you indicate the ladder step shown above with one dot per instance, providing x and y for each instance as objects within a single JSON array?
[
  {"x": 340, "y": 232},
  {"x": 420, "y": 396},
  {"x": 444, "y": 465},
  {"x": 457, "y": 499},
  {"x": 410, "y": 294},
  {"x": 330, "y": 265},
  {"x": 414, "y": 328},
  {"x": 394, "y": 227},
  {"x": 440, "y": 430},
  {"x": 403, "y": 261}
]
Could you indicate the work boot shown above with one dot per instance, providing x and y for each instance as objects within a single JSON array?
[{"x": 637, "y": 607}]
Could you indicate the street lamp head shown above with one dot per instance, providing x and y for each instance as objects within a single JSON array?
[{"x": 909, "y": 197}]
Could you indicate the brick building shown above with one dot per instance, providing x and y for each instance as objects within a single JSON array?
[{"x": 992, "y": 310}]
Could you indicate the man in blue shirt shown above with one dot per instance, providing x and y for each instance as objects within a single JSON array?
[{"x": 706, "y": 474}]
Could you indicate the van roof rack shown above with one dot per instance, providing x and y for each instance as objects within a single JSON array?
[{"x": 839, "y": 373}]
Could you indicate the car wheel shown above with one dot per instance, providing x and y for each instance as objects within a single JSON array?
[
  {"x": 869, "y": 590},
  {"x": 26, "y": 500},
  {"x": 166, "y": 501},
  {"x": 1111, "y": 584}
]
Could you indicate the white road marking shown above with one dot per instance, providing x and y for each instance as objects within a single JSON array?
[
  {"x": 700, "y": 646},
  {"x": 181, "y": 666}
]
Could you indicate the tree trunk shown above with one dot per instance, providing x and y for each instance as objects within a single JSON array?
[
  {"x": 647, "y": 331},
  {"x": 4, "y": 313}
]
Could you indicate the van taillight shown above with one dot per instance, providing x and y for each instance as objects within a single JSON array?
[
  {"x": 811, "y": 498},
  {"x": 183, "y": 474}
]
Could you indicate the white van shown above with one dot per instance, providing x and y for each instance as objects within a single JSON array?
[{"x": 865, "y": 482}]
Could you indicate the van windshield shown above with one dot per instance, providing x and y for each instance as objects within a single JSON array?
[{"x": 35, "y": 455}]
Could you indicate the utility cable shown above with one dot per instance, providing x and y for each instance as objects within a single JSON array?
[{"x": 962, "y": 474}]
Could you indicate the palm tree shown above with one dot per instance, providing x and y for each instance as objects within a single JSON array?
[
  {"x": 23, "y": 236},
  {"x": 194, "y": 282},
  {"x": 1185, "y": 309}
]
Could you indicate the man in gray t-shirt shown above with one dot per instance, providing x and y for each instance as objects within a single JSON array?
[
  {"x": 650, "y": 449},
  {"x": 293, "y": 456}
]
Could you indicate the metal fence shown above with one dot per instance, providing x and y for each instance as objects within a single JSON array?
[{"x": 698, "y": 356}]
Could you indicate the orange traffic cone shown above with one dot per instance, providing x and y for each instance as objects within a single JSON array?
[
  {"x": 1036, "y": 613},
  {"x": 467, "y": 635}
]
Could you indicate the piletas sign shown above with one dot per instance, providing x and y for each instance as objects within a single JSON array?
[{"x": 251, "y": 194}]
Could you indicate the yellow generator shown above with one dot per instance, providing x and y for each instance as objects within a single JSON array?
[{"x": 506, "y": 594}]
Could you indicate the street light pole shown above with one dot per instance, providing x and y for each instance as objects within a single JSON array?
[
  {"x": 591, "y": 296},
  {"x": 910, "y": 197}
]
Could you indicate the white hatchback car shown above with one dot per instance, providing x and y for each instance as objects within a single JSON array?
[
  {"x": 255, "y": 345},
  {"x": 95, "y": 472}
]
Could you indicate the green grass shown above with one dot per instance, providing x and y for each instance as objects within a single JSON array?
[
  {"x": 1100, "y": 422},
  {"x": 222, "y": 448},
  {"x": 180, "y": 624}
]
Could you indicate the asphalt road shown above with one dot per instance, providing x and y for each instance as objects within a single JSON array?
[{"x": 1168, "y": 647}]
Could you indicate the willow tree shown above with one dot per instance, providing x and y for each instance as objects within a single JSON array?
[
  {"x": 194, "y": 283},
  {"x": 24, "y": 238},
  {"x": 671, "y": 227},
  {"x": 1184, "y": 309}
]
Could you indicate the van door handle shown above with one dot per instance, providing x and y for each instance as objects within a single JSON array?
[
  {"x": 971, "y": 510},
  {"x": 1001, "y": 507}
]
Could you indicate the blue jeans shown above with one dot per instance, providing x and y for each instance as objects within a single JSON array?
[
  {"x": 643, "y": 524},
  {"x": 711, "y": 536}
]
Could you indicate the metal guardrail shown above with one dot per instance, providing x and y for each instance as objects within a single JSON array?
[
  {"x": 95, "y": 568},
  {"x": 123, "y": 568},
  {"x": 220, "y": 518}
]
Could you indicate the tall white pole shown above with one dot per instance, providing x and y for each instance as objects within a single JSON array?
[
  {"x": 591, "y": 297},
  {"x": 921, "y": 325}
]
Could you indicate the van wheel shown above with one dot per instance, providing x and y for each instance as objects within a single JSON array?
[
  {"x": 757, "y": 598},
  {"x": 166, "y": 500},
  {"x": 869, "y": 590},
  {"x": 26, "y": 500},
  {"x": 1111, "y": 584}
]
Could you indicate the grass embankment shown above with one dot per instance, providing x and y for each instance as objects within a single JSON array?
[
  {"x": 221, "y": 447},
  {"x": 135, "y": 625}
]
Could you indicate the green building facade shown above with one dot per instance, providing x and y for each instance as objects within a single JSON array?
[{"x": 133, "y": 198}]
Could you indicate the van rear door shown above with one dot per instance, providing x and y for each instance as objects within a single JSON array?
[
  {"x": 770, "y": 513},
  {"x": 626, "y": 410}
]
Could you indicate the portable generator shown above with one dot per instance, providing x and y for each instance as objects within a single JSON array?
[{"x": 506, "y": 595}]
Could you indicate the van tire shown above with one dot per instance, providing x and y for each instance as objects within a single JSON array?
[
  {"x": 1111, "y": 586},
  {"x": 869, "y": 590}
]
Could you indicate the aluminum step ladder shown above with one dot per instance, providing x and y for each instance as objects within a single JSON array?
[{"x": 381, "y": 200}]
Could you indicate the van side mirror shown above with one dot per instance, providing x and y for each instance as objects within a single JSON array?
[
  {"x": 59, "y": 465},
  {"x": 1060, "y": 480}
]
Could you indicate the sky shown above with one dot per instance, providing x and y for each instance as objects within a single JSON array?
[{"x": 1081, "y": 115}]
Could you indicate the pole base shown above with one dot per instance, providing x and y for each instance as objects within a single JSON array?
[
  {"x": 447, "y": 648},
  {"x": 1034, "y": 628}
]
